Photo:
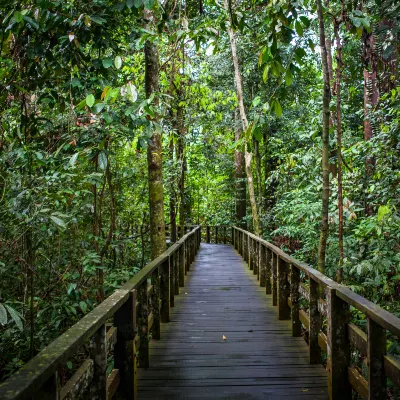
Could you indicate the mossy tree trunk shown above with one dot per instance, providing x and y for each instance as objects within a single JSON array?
[{"x": 154, "y": 152}]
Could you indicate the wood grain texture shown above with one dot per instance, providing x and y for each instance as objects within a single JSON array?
[{"x": 259, "y": 358}]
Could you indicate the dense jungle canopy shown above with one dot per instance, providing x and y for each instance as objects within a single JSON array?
[{"x": 120, "y": 119}]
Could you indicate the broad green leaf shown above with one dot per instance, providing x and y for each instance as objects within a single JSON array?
[
  {"x": 33, "y": 23},
  {"x": 256, "y": 101},
  {"x": 118, "y": 62},
  {"x": 90, "y": 100},
  {"x": 83, "y": 306},
  {"x": 18, "y": 17},
  {"x": 265, "y": 73},
  {"x": 288, "y": 77},
  {"x": 102, "y": 160},
  {"x": 98, "y": 107},
  {"x": 3, "y": 315},
  {"x": 107, "y": 62},
  {"x": 15, "y": 316},
  {"x": 131, "y": 92},
  {"x": 97, "y": 19},
  {"x": 382, "y": 212},
  {"x": 73, "y": 159},
  {"x": 58, "y": 221},
  {"x": 299, "y": 28},
  {"x": 257, "y": 133},
  {"x": 277, "y": 108}
]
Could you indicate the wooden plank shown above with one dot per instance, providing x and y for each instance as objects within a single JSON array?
[
  {"x": 113, "y": 381},
  {"x": 304, "y": 319},
  {"x": 391, "y": 365},
  {"x": 358, "y": 382},
  {"x": 79, "y": 382},
  {"x": 323, "y": 342},
  {"x": 358, "y": 339},
  {"x": 111, "y": 338},
  {"x": 98, "y": 353}
]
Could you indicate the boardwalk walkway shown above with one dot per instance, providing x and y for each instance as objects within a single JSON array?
[{"x": 259, "y": 358}]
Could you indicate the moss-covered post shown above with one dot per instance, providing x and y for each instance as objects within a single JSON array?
[
  {"x": 255, "y": 257},
  {"x": 154, "y": 305},
  {"x": 50, "y": 390},
  {"x": 164, "y": 291},
  {"x": 98, "y": 353},
  {"x": 376, "y": 351},
  {"x": 171, "y": 280},
  {"x": 274, "y": 279},
  {"x": 338, "y": 316},
  {"x": 268, "y": 271},
  {"x": 124, "y": 349},
  {"x": 295, "y": 298},
  {"x": 182, "y": 265},
  {"x": 142, "y": 322},
  {"x": 262, "y": 264},
  {"x": 283, "y": 289},
  {"x": 246, "y": 247},
  {"x": 314, "y": 351},
  {"x": 176, "y": 271}
]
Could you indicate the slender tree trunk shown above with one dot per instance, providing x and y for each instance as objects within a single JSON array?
[
  {"x": 182, "y": 161},
  {"x": 258, "y": 172},
  {"x": 172, "y": 197},
  {"x": 154, "y": 152},
  {"x": 339, "y": 274},
  {"x": 325, "y": 143},
  {"x": 240, "y": 183},
  {"x": 245, "y": 126}
]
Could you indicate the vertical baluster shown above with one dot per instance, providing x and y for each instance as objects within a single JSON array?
[
  {"x": 182, "y": 265},
  {"x": 142, "y": 321},
  {"x": 154, "y": 305},
  {"x": 165, "y": 291},
  {"x": 274, "y": 280},
  {"x": 283, "y": 289},
  {"x": 246, "y": 247},
  {"x": 176, "y": 269},
  {"x": 268, "y": 271},
  {"x": 216, "y": 234},
  {"x": 376, "y": 351},
  {"x": 208, "y": 234},
  {"x": 262, "y": 264},
  {"x": 171, "y": 280},
  {"x": 98, "y": 353},
  {"x": 124, "y": 349},
  {"x": 50, "y": 390},
  {"x": 295, "y": 297},
  {"x": 255, "y": 256},
  {"x": 314, "y": 351},
  {"x": 338, "y": 347}
]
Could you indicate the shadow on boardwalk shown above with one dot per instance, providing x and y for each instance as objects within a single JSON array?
[{"x": 259, "y": 358}]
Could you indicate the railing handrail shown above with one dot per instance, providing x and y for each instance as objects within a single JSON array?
[
  {"x": 382, "y": 317},
  {"x": 31, "y": 377}
]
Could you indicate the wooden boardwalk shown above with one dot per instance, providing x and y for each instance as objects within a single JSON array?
[{"x": 259, "y": 358}]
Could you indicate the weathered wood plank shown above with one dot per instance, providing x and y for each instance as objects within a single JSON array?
[{"x": 358, "y": 382}]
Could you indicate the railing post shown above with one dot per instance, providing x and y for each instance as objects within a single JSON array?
[
  {"x": 250, "y": 253},
  {"x": 98, "y": 353},
  {"x": 295, "y": 297},
  {"x": 182, "y": 265},
  {"x": 165, "y": 291},
  {"x": 338, "y": 316},
  {"x": 283, "y": 289},
  {"x": 274, "y": 279},
  {"x": 375, "y": 353},
  {"x": 255, "y": 256},
  {"x": 50, "y": 390},
  {"x": 142, "y": 322},
  {"x": 171, "y": 263},
  {"x": 246, "y": 247},
  {"x": 262, "y": 264},
  {"x": 176, "y": 272},
  {"x": 208, "y": 234},
  {"x": 268, "y": 271},
  {"x": 216, "y": 235},
  {"x": 314, "y": 351},
  {"x": 124, "y": 349}
]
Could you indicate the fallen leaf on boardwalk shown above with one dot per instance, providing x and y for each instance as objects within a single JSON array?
[
  {"x": 185, "y": 293},
  {"x": 304, "y": 390},
  {"x": 223, "y": 337}
]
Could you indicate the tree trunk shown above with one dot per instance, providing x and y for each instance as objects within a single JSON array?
[
  {"x": 258, "y": 172},
  {"x": 339, "y": 274},
  {"x": 240, "y": 183},
  {"x": 245, "y": 125},
  {"x": 154, "y": 153},
  {"x": 172, "y": 197},
  {"x": 325, "y": 143}
]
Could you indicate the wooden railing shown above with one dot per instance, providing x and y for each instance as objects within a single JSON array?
[
  {"x": 121, "y": 324},
  {"x": 326, "y": 319},
  {"x": 216, "y": 234}
]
